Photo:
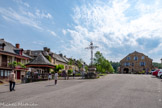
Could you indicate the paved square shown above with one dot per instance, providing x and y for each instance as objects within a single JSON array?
[{"x": 111, "y": 91}]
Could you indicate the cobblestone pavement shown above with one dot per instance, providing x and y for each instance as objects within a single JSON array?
[{"x": 111, "y": 91}]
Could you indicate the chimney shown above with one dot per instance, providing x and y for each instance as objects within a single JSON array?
[
  {"x": 2, "y": 39},
  {"x": 45, "y": 48},
  {"x": 17, "y": 45},
  {"x": 61, "y": 55},
  {"x": 28, "y": 52},
  {"x": 65, "y": 56},
  {"x": 48, "y": 50}
]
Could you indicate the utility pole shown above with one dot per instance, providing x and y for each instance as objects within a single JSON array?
[{"x": 91, "y": 47}]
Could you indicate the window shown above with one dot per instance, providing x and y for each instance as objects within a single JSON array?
[
  {"x": 127, "y": 64},
  {"x": 132, "y": 64},
  {"x": 142, "y": 63},
  {"x": 128, "y": 58},
  {"x": 143, "y": 57},
  {"x": 135, "y": 58},
  {"x": 6, "y": 72},
  {"x": 1, "y": 72},
  {"x": 9, "y": 73}
]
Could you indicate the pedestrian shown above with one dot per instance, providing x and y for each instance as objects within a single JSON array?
[
  {"x": 56, "y": 77},
  {"x": 64, "y": 74},
  {"x": 12, "y": 81},
  {"x": 73, "y": 74},
  {"x": 49, "y": 76},
  {"x": 82, "y": 74}
]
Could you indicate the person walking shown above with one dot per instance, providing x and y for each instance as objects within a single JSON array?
[
  {"x": 82, "y": 74},
  {"x": 49, "y": 76},
  {"x": 73, "y": 74},
  {"x": 64, "y": 74},
  {"x": 12, "y": 81},
  {"x": 56, "y": 77}
]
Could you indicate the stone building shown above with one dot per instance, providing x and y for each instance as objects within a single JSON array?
[
  {"x": 10, "y": 54},
  {"x": 135, "y": 63},
  {"x": 56, "y": 59}
]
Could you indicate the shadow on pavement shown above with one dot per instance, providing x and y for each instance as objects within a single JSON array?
[
  {"x": 49, "y": 85},
  {"x": 4, "y": 92}
]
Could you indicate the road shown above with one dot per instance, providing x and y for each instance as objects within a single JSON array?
[{"x": 111, "y": 91}]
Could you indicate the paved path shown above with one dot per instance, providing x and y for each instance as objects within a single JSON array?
[{"x": 111, "y": 91}]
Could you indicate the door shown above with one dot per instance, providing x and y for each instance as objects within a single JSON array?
[
  {"x": 18, "y": 74},
  {"x": 4, "y": 61}
]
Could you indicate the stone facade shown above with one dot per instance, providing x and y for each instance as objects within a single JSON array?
[
  {"x": 135, "y": 63},
  {"x": 10, "y": 54}
]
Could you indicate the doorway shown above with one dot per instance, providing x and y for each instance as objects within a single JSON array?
[{"x": 126, "y": 70}]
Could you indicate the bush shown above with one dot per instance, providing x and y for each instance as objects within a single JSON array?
[{"x": 70, "y": 71}]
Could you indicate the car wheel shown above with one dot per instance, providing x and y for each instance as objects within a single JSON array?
[{"x": 161, "y": 76}]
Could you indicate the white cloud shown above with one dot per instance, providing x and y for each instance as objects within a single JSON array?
[
  {"x": 39, "y": 42},
  {"x": 25, "y": 16},
  {"x": 107, "y": 23},
  {"x": 22, "y": 3},
  {"x": 14, "y": 16},
  {"x": 64, "y": 31},
  {"x": 42, "y": 14},
  {"x": 157, "y": 49},
  {"x": 52, "y": 32}
]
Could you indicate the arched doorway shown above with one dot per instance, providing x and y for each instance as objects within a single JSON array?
[{"x": 126, "y": 70}]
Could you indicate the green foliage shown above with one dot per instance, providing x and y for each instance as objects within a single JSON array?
[
  {"x": 70, "y": 71},
  {"x": 102, "y": 65},
  {"x": 78, "y": 74},
  {"x": 115, "y": 65},
  {"x": 14, "y": 64},
  {"x": 86, "y": 68},
  {"x": 71, "y": 62},
  {"x": 59, "y": 67},
  {"x": 49, "y": 58},
  {"x": 79, "y": 62},
  {"x": 158, "y": 65}
]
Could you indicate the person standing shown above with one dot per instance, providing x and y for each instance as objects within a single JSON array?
[
  {"x": 56, "y": 77},
  {"x": 73, "y": 74},
  {"x": 12, "y": 81}
]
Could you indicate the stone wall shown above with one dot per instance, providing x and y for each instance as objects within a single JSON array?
[{"x": 130, "y": 65}]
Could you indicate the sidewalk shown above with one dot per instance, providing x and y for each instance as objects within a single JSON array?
[
  {"x": 5, "y": 82},
  {"x": 60, "y": 78}
]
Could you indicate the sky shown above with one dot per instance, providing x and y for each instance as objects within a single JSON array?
[{"x": 117, "y": 27}]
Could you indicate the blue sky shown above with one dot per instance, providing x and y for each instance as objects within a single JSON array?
[{"x": 118, "y": 27}]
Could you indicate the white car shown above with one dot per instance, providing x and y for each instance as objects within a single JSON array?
[{"x": 160, "y": 74}]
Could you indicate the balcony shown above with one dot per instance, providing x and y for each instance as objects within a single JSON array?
[{"x": 4, "y": 64}]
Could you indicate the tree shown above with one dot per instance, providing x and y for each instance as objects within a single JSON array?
[
  {"x": 86, "y": 68},
  {"x": 102, "y": 65},
  {"x": 115, "y": 65},
  {"x": 79, "y": 62},
  {"x": 71, "y": 62},
  {"x": 48, "y": 58},
  {"x": 158, "y": 65},
  {"x": 59, "y": 67}
]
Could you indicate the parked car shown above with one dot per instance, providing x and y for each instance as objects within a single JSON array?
[
  {"x": 160, "y": 74},
  {"x": 155, "y": 73}
]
